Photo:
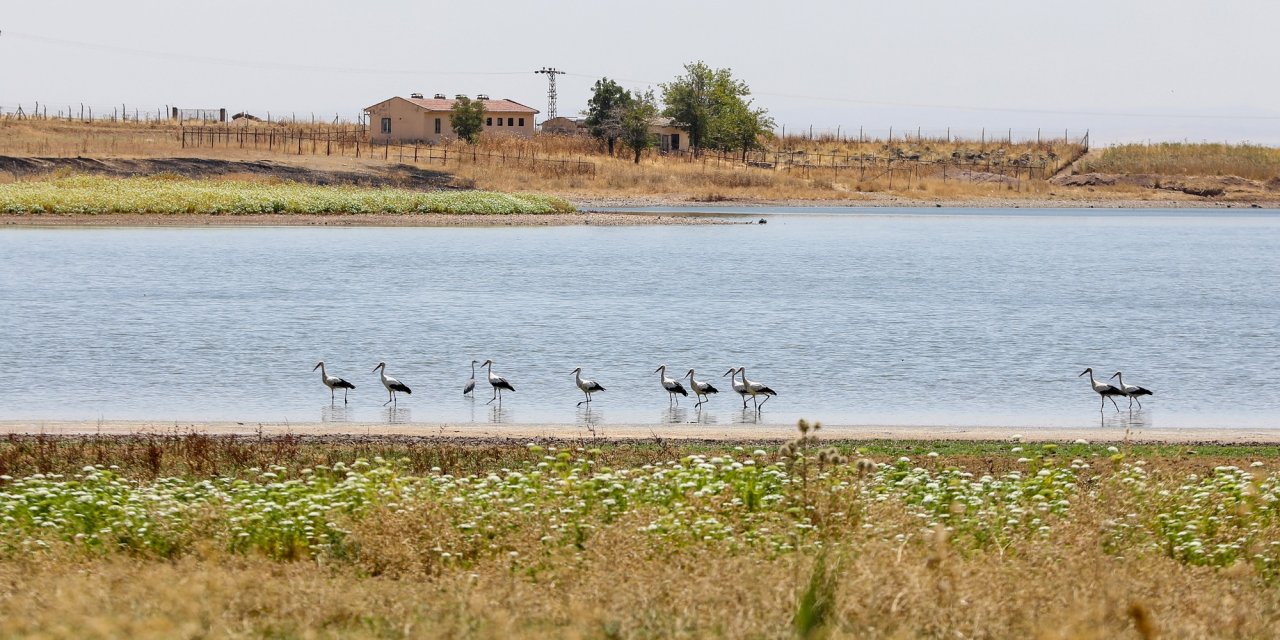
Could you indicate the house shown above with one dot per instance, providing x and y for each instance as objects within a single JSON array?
[
  {"x": 418, "y": 119},
  {"x": 565, "y": 126},
  {"x": 669, "y": 136},
  {"x": 666, "y": 135}
]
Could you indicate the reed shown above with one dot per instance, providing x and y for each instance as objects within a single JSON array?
[{"x": 1254, "y": 162}]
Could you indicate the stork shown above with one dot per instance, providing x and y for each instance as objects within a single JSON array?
[
  {"x": 334, "y": 382},
  {"x": 671, "y": 385},
  {"x": 588, "y": 387},
  {"x": 700, "y": 389},
  {"x": 756, "y": 389},
  {"x": 471, "y": 384},
  {"x": 498, "y": 382},
  {"x": 391, "y": 384},
  {"x": 1132, "y": 390},
  {"x": 740, "y": 388},
  {"x": 1103, "y": 390}
]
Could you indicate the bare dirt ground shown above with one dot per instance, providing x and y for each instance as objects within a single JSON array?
[{"x": 490, "y": 433}]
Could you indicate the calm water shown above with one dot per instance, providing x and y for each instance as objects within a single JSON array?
[{"x": 876, "y": 317}]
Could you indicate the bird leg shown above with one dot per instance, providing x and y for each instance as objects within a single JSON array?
[
  {"x": 1139, "y": 403},
  {"x": 1113, "y": 403},
  {"x": 344, "y": 396},
  {"x": 766, "y": 399}
]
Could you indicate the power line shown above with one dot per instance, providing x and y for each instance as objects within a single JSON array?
[{"x": 551, "y": 72}]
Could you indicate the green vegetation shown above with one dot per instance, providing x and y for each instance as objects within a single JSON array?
[
  {"x": 635, "y": 119},
  {"x": 295, "y": 537},
  {"x": 174, "y": 195},
  {"x": 604, "y": 111},
  {"x": 1251, "y": 161},
  {"x": 715, "y": 110},
  {"x": 467, "y": 119}
]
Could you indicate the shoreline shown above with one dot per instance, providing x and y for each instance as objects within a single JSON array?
[
  {"x": 581, "y": 218},
  {"x": 489, "y": 433}
]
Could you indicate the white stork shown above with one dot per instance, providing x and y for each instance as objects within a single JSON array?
[
  {"x": 1132, "y": 390},
  {"x": 471, "y": 384},
  {"x": 756, "y": 389},
  {"x": 671, "y": 385},
  {"x": 498, "y": 382},
  {"x": 588, "y": 387},
  {"x": 334, "y": 382},
  {"x": 391, "y": 384},
  {"x": 740, "y": 388},
  {"x": 1103, "y": 390},
  {"x": 700, "y": 389}
]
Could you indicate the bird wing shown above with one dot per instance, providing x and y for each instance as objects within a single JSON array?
[
  {"x": 592, "y": 385},
  {"x": 502, "y": 382},
  {"x": 679, "y": 388},
  {"x": 343, "y": 384},
  {"x": 765, "y": 390},
  {"x": 471, "y": 386},
  {"x": 707, "y": 388}
]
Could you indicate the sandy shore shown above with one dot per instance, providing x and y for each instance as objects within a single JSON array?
[
  {"x": 880, "y": 200},
  {"x": 355, "y": 220},
  {"x": 489, "y": 433}
]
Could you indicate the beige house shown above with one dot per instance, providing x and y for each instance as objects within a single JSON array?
[
  {"x": 418, "y": 119},
  {"x": 564, "y": 126}
]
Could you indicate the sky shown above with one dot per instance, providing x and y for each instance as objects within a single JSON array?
[{"x": 1125, "y": 70}]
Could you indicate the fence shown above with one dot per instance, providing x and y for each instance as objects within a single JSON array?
[
  {"x": 83, "y": 112},
  {"x": 353, "y": 141}
]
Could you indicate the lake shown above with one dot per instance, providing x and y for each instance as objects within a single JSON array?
[{"x": 862, "y": 316}]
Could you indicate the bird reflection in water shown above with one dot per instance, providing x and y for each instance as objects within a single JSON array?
[
  {"x": 500, "y": 415},
  {"x": 675, "y": 415},
  {"x": 334, "y": 413},
  {"x": 1129, "y": 420},
  {"x": 589, "y": 417},
  {"x": 748, "y": 416},
  {"x": 396, "y": 415}
]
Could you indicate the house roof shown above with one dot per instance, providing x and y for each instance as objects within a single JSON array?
[{"x": 494, "y": 106}]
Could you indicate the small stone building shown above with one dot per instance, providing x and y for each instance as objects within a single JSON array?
[{"x": 418, "y": 119}]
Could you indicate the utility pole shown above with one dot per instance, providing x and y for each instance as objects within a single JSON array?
[{"x": 551, "y": 72}]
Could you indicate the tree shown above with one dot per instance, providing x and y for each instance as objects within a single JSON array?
[
  {"x": 636, "y": 117},
  {"x": 467, "y": 118},
  {"x": 698, "y": 98},
  {"x": 604, "y": 110},
  {"x": 739, "y": 127}
]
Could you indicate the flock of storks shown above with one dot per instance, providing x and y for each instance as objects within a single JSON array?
[
  {"x": 703, "y": 390},
  {"x": 747, "y": 389},
  {"x": 1107, "y": 390}
]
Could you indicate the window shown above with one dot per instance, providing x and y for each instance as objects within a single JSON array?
[
  {"x": 522, "y": 122},
  {"x": 499, "y": 122},
  {"x": 437, "y": 126},
  {"x": 488, "y": 122},
  {"x": 386, "y": 125},
  {"x": 511, "y": 122}
]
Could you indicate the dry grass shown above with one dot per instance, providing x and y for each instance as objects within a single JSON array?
[
  {"x": 879, "y": 572},
  {"x": 1254, "y": 162}
]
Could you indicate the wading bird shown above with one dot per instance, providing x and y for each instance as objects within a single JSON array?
[
  {"x": 588, "y": 387},
  {"x": 700, "y": 389},
  {"x": 1132, "y": 391},
  {"x": 391, "y": 384},
  {"x": 740, "y": 388},
  {"x": 334, "y": 382},
  {"x": 672, "y": 386},
  {"x": 756, "y": 389},
  {"x": 471, "y": 384},
  {"x": 1103, "y": 390},
  {"x": 498, "y": 382}
]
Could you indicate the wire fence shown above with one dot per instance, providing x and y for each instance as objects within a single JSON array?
[
  {"x": 124, "y": 112},
  {"x": 354, "y": 141}
]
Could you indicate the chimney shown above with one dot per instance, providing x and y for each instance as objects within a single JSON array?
[
  {"x": 459, "y": 96},
  {"x": 482, "y": 97},
  {"x": 440, "y": 96},
  {"x": 416, "y": 95}
]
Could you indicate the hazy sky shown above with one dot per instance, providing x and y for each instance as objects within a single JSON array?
[{"x": 1127, "y": 70}]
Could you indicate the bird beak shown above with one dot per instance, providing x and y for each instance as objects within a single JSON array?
[
  {"x": 657, "y": 370},
  {"x": 315, "y": 367},
  {"x": 1083, "y": 372},
  {"x": 1113, "y": 376}
]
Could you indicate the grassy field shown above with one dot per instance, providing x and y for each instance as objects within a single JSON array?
[
  {"x": 1254, "y": 162},
  {"x": 184, "y": 535},
  {"x": 166, "y": 194}
]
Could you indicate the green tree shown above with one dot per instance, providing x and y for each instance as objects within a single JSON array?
[
  {"x": 467, "y": 118},
  {"x": 739, "y": 127},
  {"x": 604, "y": 111},
  {"x": 636, "y": 117},
  {"x": 697, "y": 99}
]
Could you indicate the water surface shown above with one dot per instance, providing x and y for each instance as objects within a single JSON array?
[{"x": 935, "y": 316}]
